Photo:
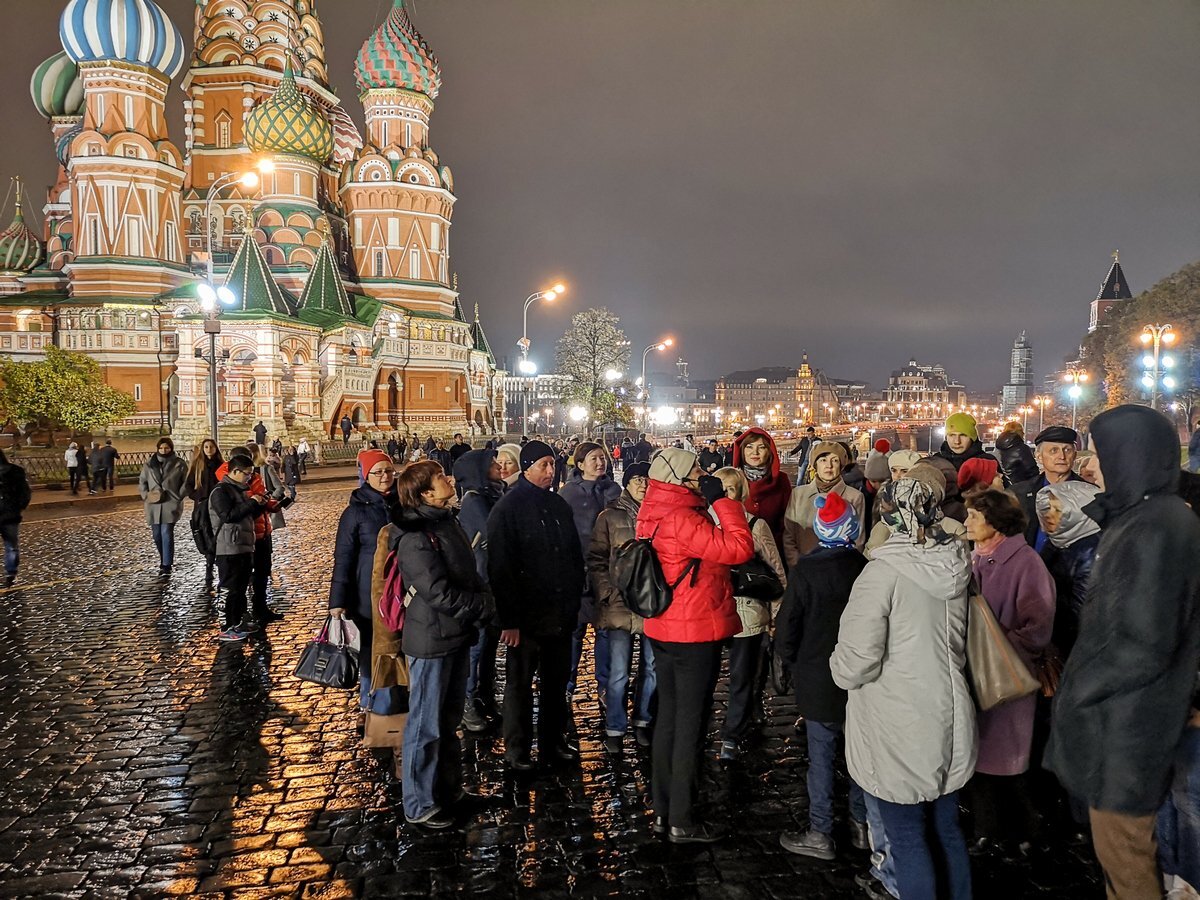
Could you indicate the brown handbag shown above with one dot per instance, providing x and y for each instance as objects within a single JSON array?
[
  {"x": 384, "y": 731},
  {"x": 998, "y": 674}
]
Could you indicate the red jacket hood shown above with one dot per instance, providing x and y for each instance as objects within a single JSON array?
[{"x": 756, "y": 432}]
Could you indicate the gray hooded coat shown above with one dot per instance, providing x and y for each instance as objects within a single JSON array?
[{"x": 901, "y": 656}]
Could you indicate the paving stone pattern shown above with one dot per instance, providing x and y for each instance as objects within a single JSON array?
[{"x": 138, "y": 758}]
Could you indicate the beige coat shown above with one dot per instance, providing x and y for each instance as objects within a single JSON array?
[
  {"x": 757, "y": 615},
  {"x": 798, "y": 535}
]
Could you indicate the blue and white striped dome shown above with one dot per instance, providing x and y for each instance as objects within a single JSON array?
[{"x": 134, "y": 31}]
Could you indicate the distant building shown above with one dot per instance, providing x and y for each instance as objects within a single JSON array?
[
  {"x": 918, "y": 384},
  {"x": 777, "y": 397},
  {"x": 1020, "y": 376},
  {"x": 1113, "y": 290}
]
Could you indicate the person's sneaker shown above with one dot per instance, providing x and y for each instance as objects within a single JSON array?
[
  {"x": 435, "y": 820},
  {"x": 10, "y": 579},
  {"x": 233, "y": 633},
  {"x": 808, "y": 843},
  {"x": 642, "y": 733},
  {"x": 613, "y": 744},
  {"x": 472, "y": 719},
  {"x": 859, "y": 835},
  {"x": 729, "y": 752},
  {"x": 872, "y": 886},
  {"x": 704, "y": 833}
]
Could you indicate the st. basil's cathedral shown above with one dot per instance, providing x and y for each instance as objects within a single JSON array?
[{"x": 344, "y": 302}]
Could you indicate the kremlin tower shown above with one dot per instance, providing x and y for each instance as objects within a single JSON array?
[{"x": 337, "y": 254}]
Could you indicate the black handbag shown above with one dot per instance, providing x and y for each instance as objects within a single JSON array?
[
  {"x": 755, "y": 579},
  {"x": 328, "y": 663}
]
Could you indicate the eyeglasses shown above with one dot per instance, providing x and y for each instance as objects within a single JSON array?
[{"x": 382, "y": 473}]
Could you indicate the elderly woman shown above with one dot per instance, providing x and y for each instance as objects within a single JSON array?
[
  {"x": 695, "y": 555},
  {"x": 1018, "y": 588},
  {"x": 829, "y": 458},
  {"x": 910, "y": 719},
  {"x": 747, "y": 650}
]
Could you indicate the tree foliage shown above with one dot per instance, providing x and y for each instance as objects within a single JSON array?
[
  {"x": 65, "y": 389},
  {"x": 1113, "y": 353},
  {"x": 592, "y": 346}
]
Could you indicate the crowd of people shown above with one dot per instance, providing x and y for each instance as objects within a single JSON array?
[{"x": 854, "y": 579}]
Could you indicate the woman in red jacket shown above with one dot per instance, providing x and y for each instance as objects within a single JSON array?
[
  {"x": 687, "y": 637},
  {"x": 755, "y": 454}
]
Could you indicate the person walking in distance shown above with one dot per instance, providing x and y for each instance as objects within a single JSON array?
[
  {"x": 14, "y": 498},
  {"x": 233, "y": 510},
  {"x": 108, "y": 458},
  {"x": 458, "y": 448},
  {"x": 303, "y": 451},
  {"x": 695, "y": 555},
  {"x": 347, "y": 426},
  {"x": 260, "y": 433},
  {"x": 291, "y": 471},
  {"x": 162, "y": 485},
  {"x": 202, "y": 477},
  {"x": 536, "y": 571},
  {"x": 71, "y": 458},
  {"x": 96, "y": 462},
  {"x": 1126, "y": 692}
]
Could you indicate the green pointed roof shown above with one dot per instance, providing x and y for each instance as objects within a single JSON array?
[
  {"x": 458, "y": 311},
  {"x": 250, "y": 279},
  {"x": 481, "y": 341},
  {"x": 324, "y": 290}
]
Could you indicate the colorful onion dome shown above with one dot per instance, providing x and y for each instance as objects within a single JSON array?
[
  {"x": 396, "y": 56},
  {"x": 62, "y": 147},
  {"x": 286, "y": 122},
  {"x": 56, "y": 88},
  {"x": 20, "y": 249},
  {"x": 133, "y": 31}
]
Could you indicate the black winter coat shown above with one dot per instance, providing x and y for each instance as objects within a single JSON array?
[
  {"x": 1071, "y": 569},
  {"x": 14, "y": 492},
  {"x": 806, "y": 630},
  {"x": 449, "y": 601},
  {"x": 975, "y": 449},
  {"x": 479, "y": 496},
  {"x": 535, "y": 561},
  {"x": 354, "y": 553},
  {"x": 1128, "y": 685}
]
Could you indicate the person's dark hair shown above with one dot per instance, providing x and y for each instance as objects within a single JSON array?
[
  {"x": 165, "y": 440},
  {"x": 414, "y": 480},
  {"x": 241, "y": 461},
  {"x": 1000, "y": 509}
]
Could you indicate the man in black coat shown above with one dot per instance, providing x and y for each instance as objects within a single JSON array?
[
  {"x": 1055, "y": 451},
  {"x": 1128, "y": 686},
  {"x": 642, "y": 449},
  {"x": 14, "y": 498},
  {"x": 711, "y": 458},
  {"x": 536, "y": 570},
  {"x": 458, "y": 448}
]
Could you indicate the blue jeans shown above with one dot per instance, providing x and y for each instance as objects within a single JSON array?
[
  {"x": 1179, "y": 818},
  {"x": 883, "y": 865},
  {"x": 906, "y": 826},
  {"x": 481, "y": 678},
  {"x": 431, "y": 771},
  {"x": 10, "y": 532},
  {"x": 822, "y": 754},
  {"x": 599, "y": 651},
  {"x": 620, "y": 663},
  {"x": 164, "y": 540}
]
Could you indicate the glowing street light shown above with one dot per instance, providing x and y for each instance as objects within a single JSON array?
[
  {"x": 661, "y": 345},
  {"x": 1154, "y": 336},
  {"x": 548, "y": 295},
  {"x": 1075, "y": 376}
]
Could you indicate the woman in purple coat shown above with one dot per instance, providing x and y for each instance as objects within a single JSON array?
[{"x": 1020, "y": 592}]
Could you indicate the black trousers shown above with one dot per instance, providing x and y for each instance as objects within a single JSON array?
[
  {"x": 1002, "y": 806},
  {"x": 263, "y": 549},
  {"x": 687, "y": 675},
  {"x": 76, "y": 477},
  {"x": 745, "y": 662},
  {"x": 549, "y": 657},
  {"x": 235, "y": 579}
]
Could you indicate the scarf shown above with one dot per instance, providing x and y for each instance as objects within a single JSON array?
[
  {"x": 824, "y": 487},
  {"x": 986, "y": 548},
  {"x": 754, "y": 473}
]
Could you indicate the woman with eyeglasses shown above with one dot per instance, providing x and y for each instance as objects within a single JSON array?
[{"x": 354, "y": 555}]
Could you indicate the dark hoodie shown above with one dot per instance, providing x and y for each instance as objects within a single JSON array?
[
  {"x": 1127, "y": 687},
  {"x": 14, "y": 491},
  {"x": 770, "y": 494},
  {"x": 479, "y": 495},
  {"x": 957, "y": 459},
  {"x": 1016, "y": 459}
]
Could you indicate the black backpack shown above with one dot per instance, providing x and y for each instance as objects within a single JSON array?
[{"x": 639, "y": 577}]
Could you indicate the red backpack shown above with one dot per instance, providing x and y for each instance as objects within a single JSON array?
[{"x": 395, "y": 596}]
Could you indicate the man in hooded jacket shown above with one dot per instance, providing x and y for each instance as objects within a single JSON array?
[
  {"x": 1125, "y": 694},
  {"x": 477, "y": 474}
]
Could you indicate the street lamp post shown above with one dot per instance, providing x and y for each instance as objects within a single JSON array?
[
  {"x": 526, "y": 367},
  {"x": 661, "y": 345},
  {"x": 1041, "y": 403},
  {"x": 1155, "y": 363},
  {"x": 1075, "y": 376}
]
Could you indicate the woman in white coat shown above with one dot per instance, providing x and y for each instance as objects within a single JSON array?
[{"x": 910, "y": 721}]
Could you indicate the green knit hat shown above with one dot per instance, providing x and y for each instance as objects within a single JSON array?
[{"x": 961, "y": 423}]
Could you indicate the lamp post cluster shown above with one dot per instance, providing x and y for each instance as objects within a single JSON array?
[
  {"x": 1157, "y": 365},
  {"x": 1075, "y": 376},
  {"x": 525, "y": 366}
]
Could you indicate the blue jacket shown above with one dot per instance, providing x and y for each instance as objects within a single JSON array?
[{"x": 354, "y": 553}]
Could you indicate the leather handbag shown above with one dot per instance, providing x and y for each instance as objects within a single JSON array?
[
  {"x": 384, "y": 731},
  {"x": 756, "y": 580},
  {"x": 998, "y": 674},
  {"x": 329, "y": 662}
]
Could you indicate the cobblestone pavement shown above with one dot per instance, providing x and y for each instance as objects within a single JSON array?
[{"x": 139, "y": 758}]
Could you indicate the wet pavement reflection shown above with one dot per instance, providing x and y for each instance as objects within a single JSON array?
[{"x": 139, "y": 758}]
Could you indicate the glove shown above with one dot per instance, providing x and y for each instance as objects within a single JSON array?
[{"x": 711, "y": 488}]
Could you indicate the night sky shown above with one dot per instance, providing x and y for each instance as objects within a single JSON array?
[{"x": 867, "y": 180}]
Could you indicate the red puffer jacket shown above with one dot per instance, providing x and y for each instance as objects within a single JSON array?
[{"x": 682, "y": 531}]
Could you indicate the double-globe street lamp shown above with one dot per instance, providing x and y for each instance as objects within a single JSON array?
[
  {"x": 1157, "y": 364},
  {"x": 1041, "y": 403},
  {"x": 526, "y": 368},
  {"x": 1075, "y": 376},
  {"x": 660, "y": 345},
  {"x": 213, "y": 298}
]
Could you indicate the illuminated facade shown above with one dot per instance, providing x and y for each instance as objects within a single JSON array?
[{"x": 339, "y": 257}]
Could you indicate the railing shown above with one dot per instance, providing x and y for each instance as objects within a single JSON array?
[{"x": 46, "y": 469}]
